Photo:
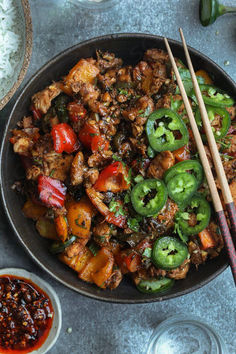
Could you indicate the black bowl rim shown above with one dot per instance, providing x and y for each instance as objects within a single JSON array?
[{"x": 59, "y": 56}]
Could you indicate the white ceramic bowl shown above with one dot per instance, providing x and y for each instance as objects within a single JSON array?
[{"x": 57, "y": 319}]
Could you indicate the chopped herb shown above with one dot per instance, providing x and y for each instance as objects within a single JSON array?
[
  {"x": 150, "y": 152},
  {"x": 94, "y": 248},
  {"x": 127, "y": 198},
  {"x": 184, "y": 215},
  {"x": 133, "y": 224},
  {"x": 175, "y": 105},
  {"x": 116, "y": 158},
  {"x": 93, "y": 134},
  {"x": 123, "y": 92},
  {"x": 116, "y": 208},
  {"x": 178, "y": 231},
  {"x": 138, "y": 178},
  {"x": 147, "y": 252},
  {"x": 147, "y": 112},
  {"x": 128, "y": 178},
  {"x": 82, "y": 225},
  {"x": 52, "y": 172}
]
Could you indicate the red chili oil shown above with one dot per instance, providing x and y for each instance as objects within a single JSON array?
[{"x": 26, "y": 315}]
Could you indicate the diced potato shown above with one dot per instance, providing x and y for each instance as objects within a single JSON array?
[
  {"x": 79, "y": 261},
  {"x": 33, "y": 211},
  {"x": 99, "y": 268},
  {"x": 79, "y": 217},
  {"x": 61, "y": 227},
  {"x": 84, "y": 71},
  {"x": 46, "y": 228}
]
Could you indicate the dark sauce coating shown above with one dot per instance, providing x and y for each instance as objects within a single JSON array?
[{"x": 26, "y": 315}]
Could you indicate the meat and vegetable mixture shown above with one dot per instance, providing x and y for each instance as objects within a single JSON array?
[{"x": 113, "y": 175}]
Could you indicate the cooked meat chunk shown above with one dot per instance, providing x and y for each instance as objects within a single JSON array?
[
  {"x": 197, "y": 255},
  {"x": 230, "y": 168},
  {"x": 77, "y": 169},
  {"x": 91, "y": 176},
  {"x": 153, "y": 55},
  {"x": 75, "y": 248},
  {"x": 232, "y": 187},
  {"x": 57, "y": 165},
  {"x": 107, "y": 61},
  {"x": 22, "y": 146},
  {"x": 42, "y": 100},
  {"x": 232, "y": 148},
  {"x": 108, "y": 79},
  {"x": 115, "y": 279},
  {"x": 84, "y": 72},
  {"x": 27, "y": 122},
  {"x": 89, "y": 93},
  {"x": 166, "y": 215},
  {"x": 192, "y": 221},
  {"x": 102, "y": 233},
  {"x": 162, "y": 162},
  {"x": 181, "y": 271},
  {"x": 155, "y": 272}
]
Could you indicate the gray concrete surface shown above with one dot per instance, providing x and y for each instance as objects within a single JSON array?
[{"x": 111, "y": 328}]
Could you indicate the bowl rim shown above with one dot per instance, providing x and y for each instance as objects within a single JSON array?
[
  {"x": 101, "y": 297},
  {"x": 27, "y": 54},
  {"x": 57, "y": 319}
]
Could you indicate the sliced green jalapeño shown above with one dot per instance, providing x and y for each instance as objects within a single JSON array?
[
  {"x": 213, "y": 96},
  {"x": 166, "y": 130},
  {"x": 149, "y": 196},
  {"x": 190, "y": 166},
  {"x": 212, "y": 113},
  {"x": 201, "y": 208},
  {"x": 153, "y": 285},
  {"x": 169, "y": 252},
  {"x": 182, "y": 187}
]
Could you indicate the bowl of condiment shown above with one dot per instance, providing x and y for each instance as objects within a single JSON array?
[{"x": 30, "y": 313}]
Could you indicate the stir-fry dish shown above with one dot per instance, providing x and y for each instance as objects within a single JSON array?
[{"x": 112, "y": 173}]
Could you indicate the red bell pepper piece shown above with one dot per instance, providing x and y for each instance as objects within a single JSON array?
[
  {"x": 182, "y": 153},
  {"x": 206, "y": 239},
  {"x": 64, "y": 138},
  {"x": 128, "y": 261},
  {"x": 52, "y": 192},
  {"x": 76, "y": 111},
  {"x": 133, "y": 261},
  {"x": 99, "y": 144},
  {"x": 113, "y": 178},
  {"x": 86, "y": 134},
  {"x": 119, "y": 220},
  {"x": 36, "y": 113}
]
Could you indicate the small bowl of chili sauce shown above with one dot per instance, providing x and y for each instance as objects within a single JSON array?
[{"x": 30, "y": 313}]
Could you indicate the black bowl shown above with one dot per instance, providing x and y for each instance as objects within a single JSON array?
[{"x": 130, "y": 47}]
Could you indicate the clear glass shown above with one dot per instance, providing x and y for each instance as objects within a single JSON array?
[
  {"x": 185, "y": 335},
  {"x": 95, "y": 4}
]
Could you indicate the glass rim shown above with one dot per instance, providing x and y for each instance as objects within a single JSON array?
[{"x": 187, "y": 319}]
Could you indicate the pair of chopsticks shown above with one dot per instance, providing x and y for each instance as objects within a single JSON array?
[{"x": 229, "y": 245}]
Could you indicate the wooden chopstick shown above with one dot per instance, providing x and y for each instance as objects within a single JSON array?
[
  {"x": 209, "y": 176},
  {"x": 229, "y": 203}
]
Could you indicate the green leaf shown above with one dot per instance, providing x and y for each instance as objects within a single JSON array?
[
  {"x": 138, "y": 178},
  {"x": 175, "y": 105},
  {"x": 116, "y": 158},
  {"x": 177, "y": 230},
  {"x": 127, "y": 198},
  {"x": 133, "y": 224},
  {"x": 147, "y": 252}
]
